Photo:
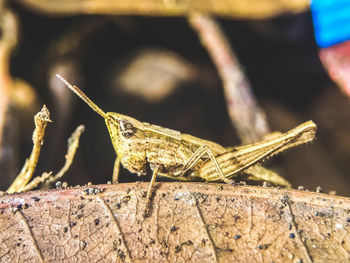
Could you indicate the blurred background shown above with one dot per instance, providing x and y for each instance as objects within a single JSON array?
[{"x": 150, "y": 64}]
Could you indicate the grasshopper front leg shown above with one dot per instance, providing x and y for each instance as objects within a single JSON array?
[
  {"x": 116, "y": 169},
  {"x": 155, "y": 169}
]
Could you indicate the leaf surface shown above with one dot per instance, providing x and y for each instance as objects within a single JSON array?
[{"x": 188, "y": 222}]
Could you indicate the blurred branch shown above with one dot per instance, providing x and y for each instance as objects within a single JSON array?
[
  {"x": 248, "y": 9},
  {"x": 248, "y": 118},
  {"x": 8, "y": 39}
]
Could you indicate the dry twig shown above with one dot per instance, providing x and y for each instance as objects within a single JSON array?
[
  {"x": 21, "y": 183},
  {"x": 36, "y": 181},
  {"x": 40, "y": 119},
  {"x": 73, "y": 143}
]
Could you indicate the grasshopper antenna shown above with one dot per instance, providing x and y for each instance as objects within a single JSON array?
[{"x": 85, "y": 98}]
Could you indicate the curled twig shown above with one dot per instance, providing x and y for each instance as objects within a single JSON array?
[
  {"x": 21, "y": 183},
  {"x": 73, "y": 143},
  {"x": 40, "y": 119},
  {"x": 36, "y": 181}
]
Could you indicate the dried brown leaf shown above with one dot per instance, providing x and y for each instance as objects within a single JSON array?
[{"x": 189, "y": 222}]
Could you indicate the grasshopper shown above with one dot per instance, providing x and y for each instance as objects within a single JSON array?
[{"x": 185, "y": 157}]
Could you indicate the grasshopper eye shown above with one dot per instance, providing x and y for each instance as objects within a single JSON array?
[{"x": 126, "y": 128}]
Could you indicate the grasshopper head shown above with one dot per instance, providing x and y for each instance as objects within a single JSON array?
[
  {"x": 121, "y": 126},
  {"x": 122, "y": 130}
]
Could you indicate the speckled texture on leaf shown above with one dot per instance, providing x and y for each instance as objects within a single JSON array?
[{"x": 189, "y": 222}]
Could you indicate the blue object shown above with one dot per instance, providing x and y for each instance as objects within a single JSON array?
[{"x": 331, "y": 21}]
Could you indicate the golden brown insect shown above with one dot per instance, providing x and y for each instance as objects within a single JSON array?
[{"x": 185, "y": 157}]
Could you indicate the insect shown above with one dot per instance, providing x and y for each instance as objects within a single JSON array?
[{"x": 185, "y": 157}]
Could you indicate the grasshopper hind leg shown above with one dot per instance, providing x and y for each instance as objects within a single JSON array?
[
  {"x": 198, "y": 154},
  {"x": 259, "y": 173}
]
